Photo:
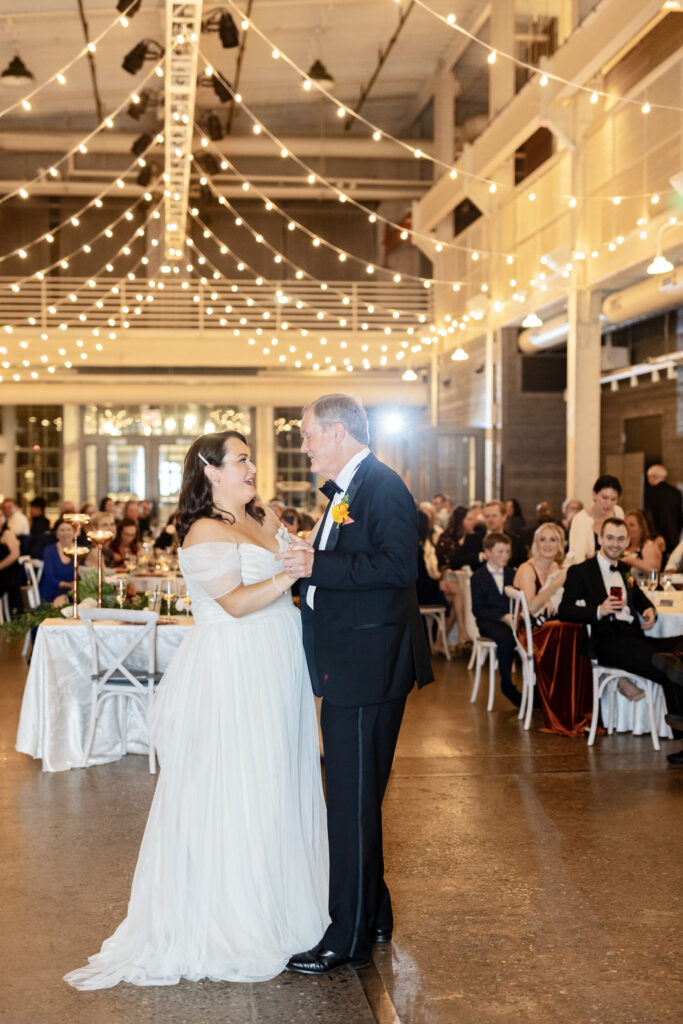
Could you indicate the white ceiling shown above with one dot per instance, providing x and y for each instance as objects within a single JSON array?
[{"x": 347, "y": 35}]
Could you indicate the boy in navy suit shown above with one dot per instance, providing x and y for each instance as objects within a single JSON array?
[{"x": 491, "y": 607}]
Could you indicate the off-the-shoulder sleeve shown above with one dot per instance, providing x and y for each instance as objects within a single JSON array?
[{"x": 214, "y": 565}]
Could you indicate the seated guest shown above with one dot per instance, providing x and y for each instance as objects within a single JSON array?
[
  {"x": 16, "y": 520},
  {"x": 584, "y": 532},
  {"x": 39, "y": 521},
  {"x": 641, "y": 553},
  {"x": 290, "y": 517},
  {"x": 570, "y": 506},
  {"x": 428, "y": 575},
  {"x": 545, "y": 513},
  {"x": 147, "y": 518},
  {"x": 87, "y": 509},
  {"x": 447, "y": 546},
  {"x": 541, "y": 578},
  {"x": 168, "y": 538},
  {"x": 514, "y": 520},
  {"x": 101, "y": 521},
  {"x": 107, "y": 504},
  {"x": 131, "y": 512},
  {"x": 675, "y": 560},
  {"x": 58, "y": 567},
  {"x": 494, "y": 521},
  {"x": 491, "y": 607},
  {"x": 596, "y": 594},
  {"x": 125, "y": 544},
  {"x": 444, "y": 509},
  {"x": 468, "y": 546},
  {"x": 435, "y": 530},
  {"x": 9, "y": 561}
]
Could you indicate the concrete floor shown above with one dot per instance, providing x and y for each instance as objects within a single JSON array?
[{"x": 534, "y": 880}]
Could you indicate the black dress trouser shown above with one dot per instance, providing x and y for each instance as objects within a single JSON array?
[
  {"x": 359, "y": 744},
  {"x": 627, "y": 646}
]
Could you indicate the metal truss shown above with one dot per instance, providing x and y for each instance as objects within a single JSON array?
[{"x": 183, "y": 25}]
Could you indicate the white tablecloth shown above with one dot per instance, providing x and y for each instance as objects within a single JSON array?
[
  {"x": 55, "y": 710},
  {"x": 633, "y": 717}
]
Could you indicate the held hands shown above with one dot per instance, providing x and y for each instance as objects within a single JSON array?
[{"x": 297, "y": 560}]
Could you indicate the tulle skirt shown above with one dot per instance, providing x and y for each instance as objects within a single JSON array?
[{"x": 231, "y": 878}]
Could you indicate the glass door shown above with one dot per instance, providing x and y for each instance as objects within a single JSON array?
[
  {"x": 126, "y": 469},
  {"x": 169, "y": 477}
]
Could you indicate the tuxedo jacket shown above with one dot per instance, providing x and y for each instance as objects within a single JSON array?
[
  {"x": 585, "y": 584},
  {"x": 488, "y": 604},
  {"x": 469, "y": 552},
  {"x": 364, "y": 638}
]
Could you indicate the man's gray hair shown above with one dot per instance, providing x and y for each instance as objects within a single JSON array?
[{"x": 346, "y": 409}]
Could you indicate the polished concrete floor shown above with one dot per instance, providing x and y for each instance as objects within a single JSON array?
[{"x": 534, "y": 880}]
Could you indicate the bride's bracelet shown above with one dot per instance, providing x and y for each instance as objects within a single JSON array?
[{"x": 278, "y": 588}]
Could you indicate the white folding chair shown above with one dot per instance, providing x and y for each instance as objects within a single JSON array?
[
  {"x": 607, "y": 679},
  {"x": 518, "y": 605},
  {"x": 435, "y": 615},
  {"x": 4, "y": 609},
  {"x": 32, "y": 593},
  {"x": 111, "y": 677},
  {"x": 481, "y": 647}
]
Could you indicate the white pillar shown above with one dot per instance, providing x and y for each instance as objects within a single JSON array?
[
  {"x": 264, "y": 451},
  {"x": 8, "y": 462},
  {"x": 502, "y": 73},
  {"x": 583, "y": 394},
  {"x": 491, "y": 391},
  {"x": 71, "y": 454}
]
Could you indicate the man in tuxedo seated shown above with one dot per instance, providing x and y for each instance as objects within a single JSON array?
[
  {"x": 494, "y": 521},
  {"x": 596, "y": 593},
  {"x": 491, "y": 607}
]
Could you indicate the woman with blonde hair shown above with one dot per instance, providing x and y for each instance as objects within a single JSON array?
[
  {"x": 564, "y": 681},
  {"x": 542, "y": 577}
]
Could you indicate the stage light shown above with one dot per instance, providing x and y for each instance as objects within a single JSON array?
[
  {"x": 142, "y": 143},
  {"x": 146, "y": 49},
  {"x": 214, "y": 128},
  {"x": 128, "y": 7},
  {"x": 222, "y": 89}
]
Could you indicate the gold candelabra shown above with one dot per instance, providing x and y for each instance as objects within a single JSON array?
[
  {"x": 99, "y": 538},
  {"x": 77, "y": 520}
]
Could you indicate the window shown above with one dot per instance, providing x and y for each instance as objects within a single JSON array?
[{"x": 38, "y": 453}]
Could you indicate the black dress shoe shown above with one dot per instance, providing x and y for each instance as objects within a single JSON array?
[
  {"x": 676, "y": 759},
  {"x": 323, "y": 961},
  {"x": 670, "y": 665},
  {"x": 675, "y": 721},
  {"x": 381, "y": 935}
]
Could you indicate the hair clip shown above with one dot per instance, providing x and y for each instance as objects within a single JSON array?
[{"x": 205, "y": 461}]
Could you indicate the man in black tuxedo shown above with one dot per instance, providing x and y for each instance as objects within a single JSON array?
[
  {"x": 491, "y": 608},
  {"x": 596, "y": 593},
  {"x": 665, "y": 504},
  {"x": 365, "y": 647},
  {"x": 494, "y": 521}
]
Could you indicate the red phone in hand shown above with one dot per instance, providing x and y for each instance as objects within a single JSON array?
[{"x": 617, "y": 594}]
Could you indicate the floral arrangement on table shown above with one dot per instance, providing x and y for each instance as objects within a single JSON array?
[{"x": 19, "y": 626}]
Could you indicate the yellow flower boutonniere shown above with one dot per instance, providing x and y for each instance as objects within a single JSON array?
[{"x": 340, "y": 512}]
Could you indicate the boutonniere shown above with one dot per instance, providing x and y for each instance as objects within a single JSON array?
[
  {"x": 630, "y": 582},
  {"x": 340, "y": 511}
]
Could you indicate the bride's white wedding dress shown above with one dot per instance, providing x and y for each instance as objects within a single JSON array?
[{"x": 231, "y": 878}]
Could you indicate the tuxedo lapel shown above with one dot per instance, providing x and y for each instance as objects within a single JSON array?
[
  {"x": 350, "y": 493},
  {"x": 598, "y": 581}
]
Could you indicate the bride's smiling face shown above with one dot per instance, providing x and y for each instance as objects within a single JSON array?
[{"x": 234, "y": 480}]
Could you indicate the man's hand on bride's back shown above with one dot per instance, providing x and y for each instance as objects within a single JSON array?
[{"x": 297, "y": 560}]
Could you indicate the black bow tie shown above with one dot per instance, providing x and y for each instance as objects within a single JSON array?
[
  {"x": 330, "y": 488},
  {"x": 614, "y": 566}
]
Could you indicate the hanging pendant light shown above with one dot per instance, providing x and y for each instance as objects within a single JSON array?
[{"x": 16, "y": 75}]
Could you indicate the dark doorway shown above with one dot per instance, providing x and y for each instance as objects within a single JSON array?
[{"x": 644, "y": 434}]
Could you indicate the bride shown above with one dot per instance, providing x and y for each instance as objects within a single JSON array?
[{"x": 231, "y": 878}]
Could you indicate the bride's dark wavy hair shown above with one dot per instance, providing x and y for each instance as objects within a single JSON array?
[{"x": 196, "y": 496}]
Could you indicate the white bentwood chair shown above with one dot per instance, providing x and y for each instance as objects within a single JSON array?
[
  {"x": 481, "y": 647},
  {"x": 519, "y": 606},
  {"x": 33, "y": 567},
  {"x": 434, "y": 615},
  {"x": 111, "y": 677},
  {"x": 607, "y": 679}
]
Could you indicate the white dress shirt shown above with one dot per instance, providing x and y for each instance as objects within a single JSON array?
[
  {"x": 343, "y": 480},
  {"x": 613, "y": 578},
  {"x": 498, "y": 576}
]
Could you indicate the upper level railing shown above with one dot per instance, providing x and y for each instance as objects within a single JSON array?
[{"x": 173, "y": 303}]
